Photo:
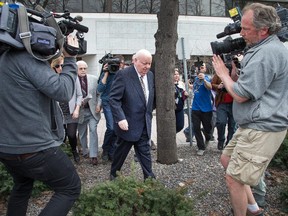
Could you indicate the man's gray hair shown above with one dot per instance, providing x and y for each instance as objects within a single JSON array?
[
  {"x": 264, "y": 16},
  {"x": 81, "y": 62},
  {"x": 143, "y": 52}
]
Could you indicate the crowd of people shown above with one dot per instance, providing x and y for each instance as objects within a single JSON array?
[{"x": 51, "y": 102}]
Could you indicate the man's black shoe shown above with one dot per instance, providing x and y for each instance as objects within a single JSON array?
[
  {"x": 76, "y": 156},
  {"x": 220, "y": 145},
  {"x": 104, "y": 156},
  {"x": 112, "y": 177}
]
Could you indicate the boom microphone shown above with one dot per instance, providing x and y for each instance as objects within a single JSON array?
[
  {"x": 78, "y": 18},
  {"x": 76, "y": 26},
  {"x": 220, "y": 35}
]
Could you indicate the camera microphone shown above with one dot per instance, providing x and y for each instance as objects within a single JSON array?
[
  {"x": 76, "y": 26},
  {"x": 220, "y": 35},
  {"x": 78, "y": 18}
]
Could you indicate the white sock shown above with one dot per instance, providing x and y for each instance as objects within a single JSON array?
[{"x": 253, "y": 207}]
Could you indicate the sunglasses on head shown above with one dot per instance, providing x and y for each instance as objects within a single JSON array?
[{"x": 58, "y": 65}]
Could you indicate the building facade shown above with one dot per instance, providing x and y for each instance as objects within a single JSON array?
[{"x": 131, "y": 24}]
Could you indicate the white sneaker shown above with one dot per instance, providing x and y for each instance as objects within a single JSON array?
[{"x": 200, "y": 152}]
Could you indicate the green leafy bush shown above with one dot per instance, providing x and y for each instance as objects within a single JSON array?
[
  {"x": 125, "y": 196},
  {"x": 6, "y": 182},
  {"x": 284, "y": 195},
  {"x": 280, "y": 159}
]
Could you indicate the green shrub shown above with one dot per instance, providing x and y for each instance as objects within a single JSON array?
[
  {"x": 126, "y": 196},
  {"x": 284, "y": 195},
  {"x": 6, "y": 184},
  {"x": 280, "y": 159}
]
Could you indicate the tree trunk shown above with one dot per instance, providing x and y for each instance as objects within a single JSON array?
[
  {"x": 166, "y": 38},
  {"x": 108, "y": 6}
]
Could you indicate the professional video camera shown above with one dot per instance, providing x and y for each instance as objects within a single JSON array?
[
  {"x": 113, "y": 63},
  {"x": 68, "y": 25},
  {"x": 37, "y": 31},
  {"x": 231, "y": 47}
]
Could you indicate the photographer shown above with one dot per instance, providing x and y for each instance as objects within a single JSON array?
[
  {"x": 32, "y": 130},
  {"x": 104, "y": 86},
  {"x": 202, "y": 109},
  {"x": 224, "y": 115},
  {"x": 259, "y": 108}
]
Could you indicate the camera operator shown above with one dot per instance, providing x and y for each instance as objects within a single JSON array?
[
  {"x": 32, "y": 130},
  {"x": 259, "y": 108},
  {"x": 224, "y": 115},
  {"x": 104, "y": 86},
  {"x": 202, "y": 109}
]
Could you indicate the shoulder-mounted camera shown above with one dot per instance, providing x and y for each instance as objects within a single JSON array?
[
  {"x": 230, "y": 47},
  {"x": 37, "y": 31}
]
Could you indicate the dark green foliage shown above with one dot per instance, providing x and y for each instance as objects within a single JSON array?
[
  {"x": 126, "y": 196},
  {"x": 280, "y": 159},
  {"x": 6, "y": 184},
  {"x": 284, "y": 195}
]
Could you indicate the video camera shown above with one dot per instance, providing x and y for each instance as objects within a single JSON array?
[
  {"x": 231, "y": 47},
  {"x": 113, "y": 63},
  {"x": 38, "y": 32},
  {"x": 195, "y": 70},
  {"x": 68, "y": 25}
]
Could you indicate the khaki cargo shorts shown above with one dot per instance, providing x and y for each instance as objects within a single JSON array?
[{"x": 251, "y": 151}]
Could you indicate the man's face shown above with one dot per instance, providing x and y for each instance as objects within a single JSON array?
[
  {"x": 122, "y": 65},
  {"x": 250, "y": 34},
  {"x": 143, "y": 64},
  {"x": 82, "y": 70},
  {"x": 202, "y": 69}
]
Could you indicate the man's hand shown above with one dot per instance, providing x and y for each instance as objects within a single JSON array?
[
  {"x": 123, "y": 124},
  {"x": 71, "y": 46},
  {"x": 75, "y": 114},
  {"x": 219, "y": 67},
  {"x": 98, "y": 109},
  {"x": 201, "y": 76}
]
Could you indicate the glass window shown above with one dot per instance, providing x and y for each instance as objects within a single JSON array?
[{"x": 186, "y": 7}]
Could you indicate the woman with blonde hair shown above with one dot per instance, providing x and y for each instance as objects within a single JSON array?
[{"x": 70, "y": 110}]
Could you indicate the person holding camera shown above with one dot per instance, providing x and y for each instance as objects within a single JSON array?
[
  {"x": 106, "y": 78},
  {"x": 224, "y": 115},
  {"x": 32, "y": 129},
  {"x": 202, "y": 109},
  {"x": 180, "y": 97},
  {"x": 259, "y": 108}
]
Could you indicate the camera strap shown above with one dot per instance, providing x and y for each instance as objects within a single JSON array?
[{"x": 25, "y": 33}]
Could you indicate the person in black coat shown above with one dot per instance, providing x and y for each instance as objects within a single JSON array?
[{"x": 131, "y": 100}]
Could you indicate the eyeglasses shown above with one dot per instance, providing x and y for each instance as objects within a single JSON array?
[
  {"x": 58, "y": 65},
  {"x": 82, "y": 68}
]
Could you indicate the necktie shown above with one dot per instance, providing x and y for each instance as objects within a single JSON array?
[
  {"x": 143, "y": 87},
  {"x": 83, "y": 87}
]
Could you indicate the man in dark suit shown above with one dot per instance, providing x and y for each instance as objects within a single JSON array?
[{"x": 131, "y": 100}]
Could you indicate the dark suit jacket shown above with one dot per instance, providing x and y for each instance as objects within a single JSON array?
[{"x": 127, "y": 101}]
